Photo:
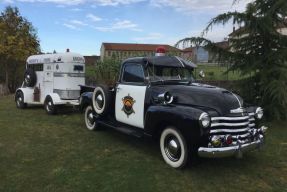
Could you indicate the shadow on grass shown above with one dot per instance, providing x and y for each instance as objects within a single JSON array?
[{"x": 150, "y": 147}]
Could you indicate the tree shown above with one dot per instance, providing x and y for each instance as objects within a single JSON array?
[
  {"x": 18, "y": 40},
  {"x": 258, "y": 49}
]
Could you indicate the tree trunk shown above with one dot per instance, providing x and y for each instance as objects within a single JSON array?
[{"x": 6, "y": 85}]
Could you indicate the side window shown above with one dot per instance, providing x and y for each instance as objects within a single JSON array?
[
  {"x": 133, "y": 73},
  {"x": 36, "y": 67}
]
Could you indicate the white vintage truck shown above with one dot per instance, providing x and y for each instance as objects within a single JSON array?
[{"x": 52, "y": 80}]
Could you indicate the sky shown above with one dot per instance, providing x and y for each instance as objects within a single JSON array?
[{"x": 83, "y": 25}]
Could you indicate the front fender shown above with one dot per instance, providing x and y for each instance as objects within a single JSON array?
[{"x": 184, "y": 118}]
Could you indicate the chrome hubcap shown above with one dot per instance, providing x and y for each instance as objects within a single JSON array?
[
  {"x": 99, "y": 101},
  {"x": 49, "y": 106},
  {"x": 172, "y": 148},
  {"x": 90, "y": 119},
  {"x": 27, "y": 79}
]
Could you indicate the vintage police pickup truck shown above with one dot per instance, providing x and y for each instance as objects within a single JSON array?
[{"x": 158, "y": 97}]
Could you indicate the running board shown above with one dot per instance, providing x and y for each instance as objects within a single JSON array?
[{"x": 126, "y": 130}]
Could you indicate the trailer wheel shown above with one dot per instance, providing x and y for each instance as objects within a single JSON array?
[
  {"x": 90, "y": 119},
  {"x": 30, "y": 78},
  {"x": 19, "y": 99},
  {"x": 101, "y": 99},
  {"x": 50, "y": 108},
  {"x": 173, "y": 147}
]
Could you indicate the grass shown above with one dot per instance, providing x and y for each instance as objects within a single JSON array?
[{"x": 56, "y": 153}]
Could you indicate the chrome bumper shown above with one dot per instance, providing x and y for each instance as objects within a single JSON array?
[{"x": 236, "y": 150}]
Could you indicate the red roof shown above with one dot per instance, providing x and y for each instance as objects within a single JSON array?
[{"x": 136, "y": 47}]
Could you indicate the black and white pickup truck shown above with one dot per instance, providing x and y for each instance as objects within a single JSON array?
[{"x": 158, "y": 97}]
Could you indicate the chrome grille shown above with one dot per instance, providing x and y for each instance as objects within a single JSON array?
[{"x": 238, "y": 126}]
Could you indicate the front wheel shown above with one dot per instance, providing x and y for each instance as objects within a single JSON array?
[
  {"x": 173, "y": 148},
  {"x": 90, "y": 120}
]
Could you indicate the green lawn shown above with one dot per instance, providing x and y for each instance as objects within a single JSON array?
[{"x": 56, "y": 153}]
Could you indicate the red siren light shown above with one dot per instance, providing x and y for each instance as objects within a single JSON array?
[{"x": 160, "y": 51}]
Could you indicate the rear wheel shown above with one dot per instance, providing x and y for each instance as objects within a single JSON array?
[
  {"x": 19, "y": 99},
  {"x": 50, "y": 108},
  {"x": 173, "y": 147},
  {"x": 90, "y": 119}
]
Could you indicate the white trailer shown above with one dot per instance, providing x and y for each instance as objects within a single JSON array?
[{"x": 52, "y": 80}]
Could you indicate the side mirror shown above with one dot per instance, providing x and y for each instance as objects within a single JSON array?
[{"x": 201, "y": 74}]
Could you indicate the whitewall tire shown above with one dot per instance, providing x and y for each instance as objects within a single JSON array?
[
  {"x": 173, "y": 148},
  {"x": 90, "y": 120},
  {"x": 101, "y": 100}
]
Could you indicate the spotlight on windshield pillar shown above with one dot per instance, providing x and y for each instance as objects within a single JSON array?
[{"x": 160, "y": 51}]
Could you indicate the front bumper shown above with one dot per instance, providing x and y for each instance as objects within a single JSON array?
[{"x": 235, "y": 150}]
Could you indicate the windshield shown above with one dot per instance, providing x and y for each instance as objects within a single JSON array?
[{"x": 164, "y": 73}]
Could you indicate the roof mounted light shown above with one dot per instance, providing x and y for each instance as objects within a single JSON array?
[{"x": 160, "y": 51}]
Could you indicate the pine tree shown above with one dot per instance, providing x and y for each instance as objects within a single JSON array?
[{"x": 257, "y": 48}]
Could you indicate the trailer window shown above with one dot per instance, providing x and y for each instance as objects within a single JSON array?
[
  {"x": 36, "y": 67},
  {"x": 78, "y": 68}
]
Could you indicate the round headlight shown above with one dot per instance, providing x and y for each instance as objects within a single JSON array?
[
  {"x": 204, "y": 120},
  {"x": 259, "y": 113}
]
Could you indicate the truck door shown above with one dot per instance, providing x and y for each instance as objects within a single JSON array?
[{"x": 130, "y": 95}]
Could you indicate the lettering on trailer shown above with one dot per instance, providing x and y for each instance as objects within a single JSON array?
[
  {"x": 78, "y": 59},
  {"x": 32, "y": 61},
  {"x": 47, "y": 60}
]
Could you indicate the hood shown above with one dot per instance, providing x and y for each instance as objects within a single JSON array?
[{"x": 202, "y": 95}]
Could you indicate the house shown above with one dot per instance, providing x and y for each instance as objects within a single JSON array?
[
  {"x": 199, "y": 54},
  {"x": 91, "y": 60},
  {"x": 125, "y": 50}
]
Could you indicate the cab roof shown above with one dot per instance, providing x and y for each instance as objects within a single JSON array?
[
  {"x": 163, "y": 61},
  {"x": 56, "y": 58}
]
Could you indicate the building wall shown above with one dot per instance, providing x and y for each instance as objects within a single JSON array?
[
  {"x": 201, "y": 55},
  {"x": 122, "y": 54}
]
